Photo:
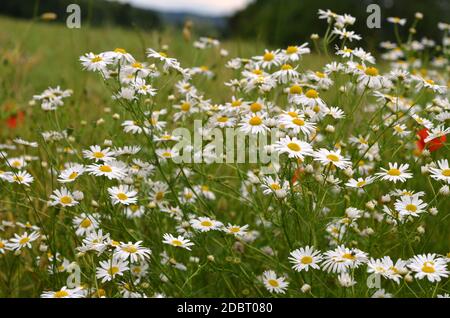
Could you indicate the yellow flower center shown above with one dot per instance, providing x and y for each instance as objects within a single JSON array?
[
  {"x": 275, "y": 186},
  {"x": 120, "y": 50},
  {"x": 18, "y": 178},
  {"x": 332, "y": 157},
  {"x": 273, "y": 283},
  {"x": 235, "y": 229},
  {"x": 24, "y": 240},
  {"x": 298, "y": 121},
  {"x": 257, "y": 72},
  {"x": 306, "y": 260},
  {"x": 393, "y": 172},
  {"x": 122, "y": 196},
  {"x": 286, "y": 67},
  {"x": 130, "y": 249},
  {"x": 268, "y": 56},
  {"x": 411, "y": 208},
  {"x": 66, "y": 199},
  {"x": 73, "y": 175},
  {"x": 295, "y": 89},
  {"x": 159, "y": 196},
  {"x": 371, "y": 71},
  {"x": 185, "y": 106},
  {"x": 446, "y": 172},
  {"x": 96, "y": 59},
  {"x": 294, "y": 147},
  {"x": 105, "y": 168},
  {"x": 348, "y": 256},
  {"x": 137, "y": 65},
  {"x": 206, "y": 223},
  {"x": 113, "y": 270},
  {"x": 291, "y": 50},
  {"x": 98, "y": 154},
  {"x": 236, "y": 103},
  {"x": 162, "y": 54},
  {"x": 86, "y": 223},
  {"x": 255, "y": 121},
  {"x": 177, "y": 243},
  {"x": 166, "y": 154},
  {"x": 428, "y": 268},
  {"x": 320, "y": 74},
  {"x": 222, "y": 119},
  {"x": 60, "y": 294},
  {"x": 16, "y": 164},
  {"x": 256, "y": 107},
  {"x": 361, "y": 184},
  {"x": 312, "y": 93}
]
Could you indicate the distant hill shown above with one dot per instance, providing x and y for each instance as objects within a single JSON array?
[
  {"x": 96, "y": 12},
  {"x": 284, "y": 22}
]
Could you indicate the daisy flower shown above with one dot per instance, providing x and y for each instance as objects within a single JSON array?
[
  {"x": 109, "y": 269},
  {"x": 285, "y": 74},
  {"x": 344, "y": 34},
  {"x": 275, "y": 186},
  {"x": 346, "y": 280},
  {"x": 21, "y": 241},
  {"x": 205, "y": 224},
  {"x": 133, "y": 251},
  {"x": 410, "y": 206},
  {"x": 296, "y": 122},
  {"x": 236, "y": 230},
  {"x": 333, "y": 157},
  {"x": 123, "y": 194},
  {"x": 111, "y": 169},
  {"x": 95, "y": 62},
  {"x": 134, "y": 211},
  {"x": 372, "y": 79},
  {"x": 16, "y": 163},
  {"x": 342, "y": 258},
  {"x": 395, "y": 173},
  {"x": 254, "y": 124},
  {"x": 63, "y": 197},
  {"x": 85, "y": 223},
  {"x": 396, "y": 20},
  {"x": 429, "y": 266},
  {"x": 441, "y": 172},
  {"x": 166, "y": 153},
  {"x": 95, "y": 241},
  {"x": 294, "y": 147},
  {"x": 98, "y": 154},
  {"x": 269, "y": 59},
  {"x": 3, "y": 246},
  {"x": 273, "y": 283},
  {"x": 71, "y": 173},
  {"x": 179, "y": 241},
  {"x": 20, "y": 177},
  {"x": 163, "y": 57},
  {"x": 305, "y": 257},
  {"x": 310, "y": 98},
  {"x": 65, "y": 292},
  {"x": 294, "y": 52},
  {"x": 360, "y": 183},
  {"x": 134, "y": 127},
  {"x": 120, "y": 55}
]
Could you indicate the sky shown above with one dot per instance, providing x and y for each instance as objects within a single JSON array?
[{"x": 203, "y": 7}]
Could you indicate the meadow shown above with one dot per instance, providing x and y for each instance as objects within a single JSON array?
[{"x": 94, "y": 203}]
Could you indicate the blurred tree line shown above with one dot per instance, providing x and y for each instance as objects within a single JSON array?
[
  {"x": 284, "y": 22},
  {"x": 95, "y": 12}
]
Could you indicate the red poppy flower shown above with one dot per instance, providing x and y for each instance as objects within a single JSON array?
[
  {"x": 431, "y": 145},
  {"x": 15, "y": 119}
]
